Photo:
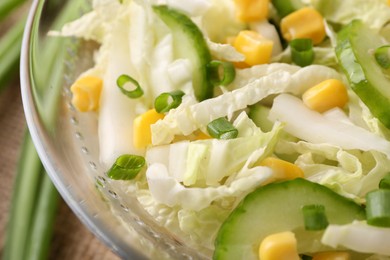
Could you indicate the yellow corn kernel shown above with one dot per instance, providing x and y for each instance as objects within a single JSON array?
[
  {"x": 282, "y": 170},
  {"x": 251, "y": 10},
  {"x": 332, "y": 255},
  {"x": 255, "y": 48},
  {"x": 142, "y": 135},
  {"x": 326, "y": 95},
  {"x": 279, "y": 246},
  {"x": 199, "y": 135},
  {"x": 86, "y": 93},
  {"x": 303, "y": 23}
]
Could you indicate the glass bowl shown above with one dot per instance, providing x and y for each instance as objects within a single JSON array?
[{"x": 66, "y": 140}]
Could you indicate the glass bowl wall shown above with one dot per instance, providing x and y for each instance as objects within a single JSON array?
[{"x": 66, "y": 140}]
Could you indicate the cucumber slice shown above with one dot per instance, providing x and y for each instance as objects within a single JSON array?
[
  {"x": 259, "y": 114},
  {"x": 276, "y": 208},
  {"x": 355, "y": 48},
  {"x": 190, "y": 44}
]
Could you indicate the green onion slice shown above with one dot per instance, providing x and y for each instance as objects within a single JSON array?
[
  {"x": 306, "y": 257},
  {"x": 302, "y": 52},
  {"x": 285, "y": 7},
  {"x": 167, "y": 101},
  {"x": 382, "y": 56},
  {"x": 222, "y": 73},
  {"x": 314, "y": 217},
  {"x": 385, "y": 182},
  {"x": 378, "y": 208},
  {"x": 221, "y": 128},
  {"x": 123, "y": 80},
  {"x": 126, "y": 167}
]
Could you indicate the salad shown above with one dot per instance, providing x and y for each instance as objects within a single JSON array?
[{"x": 251, "y": 129}]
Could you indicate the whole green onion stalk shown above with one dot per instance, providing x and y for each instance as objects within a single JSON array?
[{"x": 34, "y": 199}]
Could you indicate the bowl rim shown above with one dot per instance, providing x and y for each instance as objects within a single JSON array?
[{"x": 40, "y": 140}]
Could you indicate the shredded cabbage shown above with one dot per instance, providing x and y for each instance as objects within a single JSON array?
[
  {"x": 313, "y": 127},
  {"x": 209, "y": 161},
  {"x": 359, "y": 237},
  {"x": 374, "y": 12},
  {"x": 165, "y": 189},
  {"x": 248, "y": 90}
]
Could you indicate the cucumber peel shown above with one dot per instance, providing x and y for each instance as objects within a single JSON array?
[
  {"x": 190, "y": 44},
  {"x": 277, "y": 208},
  {"x": 356, "y": 44}
]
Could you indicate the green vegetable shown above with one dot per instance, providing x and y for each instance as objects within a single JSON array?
[
  {"x": 302, "y": 52},
  {"x": 126, "y": 167},
  {"x": 221, "y": 128},
  {"x": 167, "y": 101},
  {"x": 374, "y": 13},
  {"x": 123, "y": 80},
  {"x": 23, "y": 201},
  {"x": 385, "y": 182},
  {"x": 10, "y": 45},
  {"x": 382, "y": 56},
  {"x": 359, "y": 65},
  {"x": 43, "y": 220},
  {"x": 7, "y": 6},
  {"x": 189, "y": 43},
  {"x": 314, "y": 217},
  {"x": 35, "y": 199},
  {"x": 275, "y": 208},
  {"x": 285, "y": 7},
  {"x": 378, "y": 208},
  {"x": 221, "y": 73},
  {"x": 259, "y": 114}
]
